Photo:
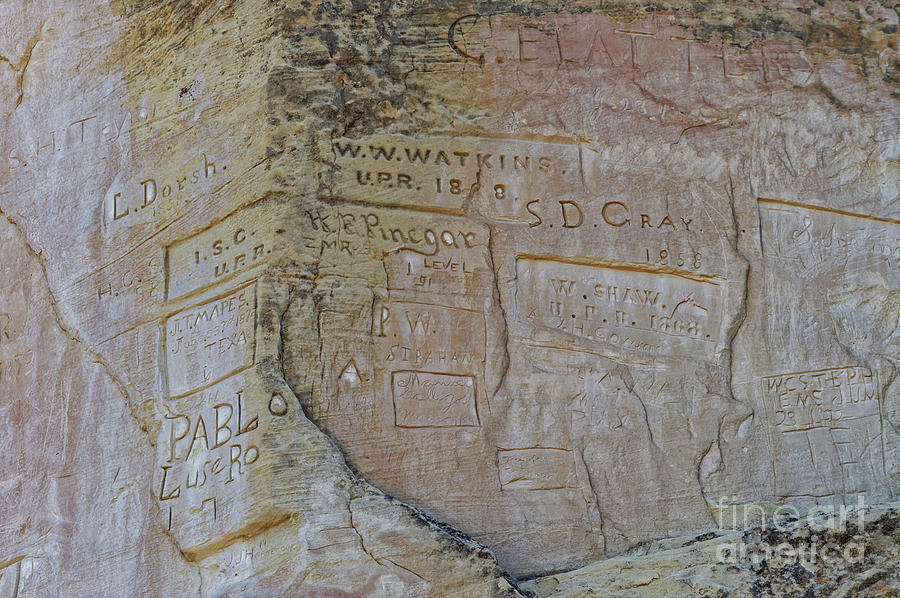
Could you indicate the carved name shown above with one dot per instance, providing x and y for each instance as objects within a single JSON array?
[
  {"x": 355, "y": 232},
  {"x": 235, "y": 245},
  {"x": 611, "y": 215},
  {"x": 439, "y": 174},
  {"x": 828, "y": 421},
  {"x": 83, "y": 132},
  {"x": 433, "y": 400},
  {"x": 207, "y": 342},
  {"x": 822, "y": 398},
  {"x": 208, "y": 448},
  {"x": 634, "y": 308},
  {"x": 655, "y": 44},
  {"x": 430, "y": 337},
  {"x": 536, "y": 468},
  {"x": 813, "y": 237},
  {"x": 162, "y": 196}
]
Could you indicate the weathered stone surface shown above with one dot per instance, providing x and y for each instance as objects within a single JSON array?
[{"x": 408, "y": 299}]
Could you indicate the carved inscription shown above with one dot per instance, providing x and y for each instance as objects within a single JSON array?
[
  {"x": 114, "y": 297},
  {"x": 590, "y": 409},
  {"x": 432, "y": 400},
  {"x": 350, "y": 231},
  {"x": 820, "y": 399},
  {"x": 614, "y": 215},
  {"x": 655, "y": 312},
  {"x": 211, "y": 441},
  {"x": 813, "y": 237},
  {"x": 207, "y": 342},
  {"x": 162, "y": 196},
  {"x": 453, "y": 268},
  {"x": 235, "y": 245},
  {"x": 854, "y": 259},
  {"x": 440, "y": 173},
  {"x": 454, "y": 272},
  {"x": 656, "y": 44},
  {"x": 142, "y": 285},
  {"x": 432, "y": 376},
  {"x": 82, "y": 132},
  {"x": 536, "y": 468},
  {"x": 822, "y": 419},
  {"x": 418, "y": 336},
  {"x": 228, "y": 421}
]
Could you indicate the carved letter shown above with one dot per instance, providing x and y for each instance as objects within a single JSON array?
[
  {"x": 199, "y": 432},
  {"x": 162, "y": 491},
  {"x": 533, "y": 213},
  {"x": 224, "y": 426},
  {"x": 606, "y": 213},
  {"x": 149, "y": 192},
  {"x": 251, "y": 425},
  {"x": 566, "y": 223}
]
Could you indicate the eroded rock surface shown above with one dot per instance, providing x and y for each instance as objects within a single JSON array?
[{"x": 417, "y": 299}]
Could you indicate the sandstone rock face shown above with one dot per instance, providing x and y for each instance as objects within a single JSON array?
[{"x": 432, "y": 299}]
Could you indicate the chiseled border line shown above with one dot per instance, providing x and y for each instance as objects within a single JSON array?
[
  {"x": 624, "y": 266},
  {"x": 816, "y": 208}
]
